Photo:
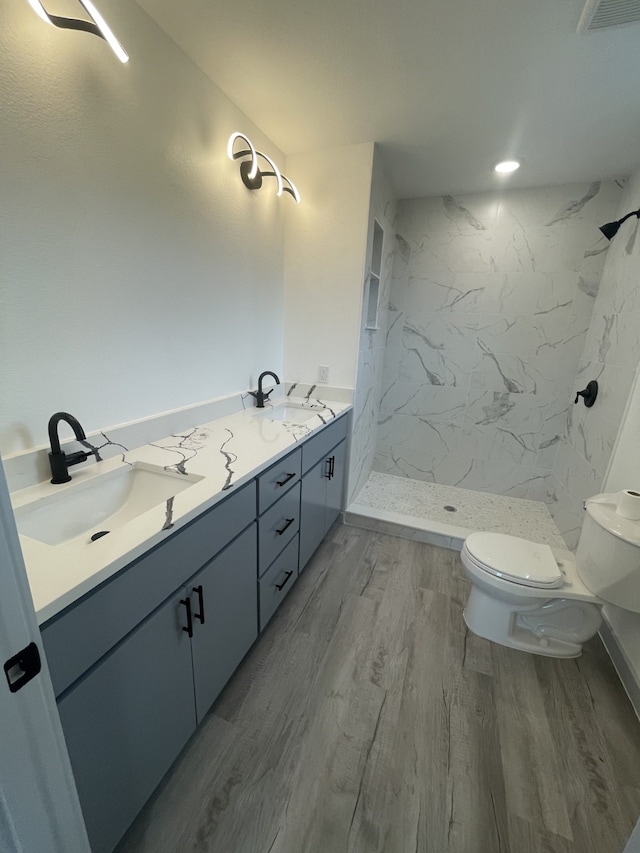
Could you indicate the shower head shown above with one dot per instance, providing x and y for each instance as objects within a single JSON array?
[{"x": 611, "y": 228}]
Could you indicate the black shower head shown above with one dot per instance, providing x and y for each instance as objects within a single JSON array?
[{"x": 611, "y": 228}]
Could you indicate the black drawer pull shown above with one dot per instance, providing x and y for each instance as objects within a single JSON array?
[
  {"x": 199, "y": 616},
  {"x": 286, "y": 480},
  {"x": 331, "y": 461},
  {"x": 281, "y": 586},
  {"x": 187, "y": 604},
  {"x": 288, "y": 524}
]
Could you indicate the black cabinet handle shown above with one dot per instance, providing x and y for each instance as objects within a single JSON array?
[
  {"x": 288, "y": 524},
  {"x": 199, "y": 616},
  {"x": 286, "y": 480},
  {"x": 187, "y": 604},
  {"x": 281, "y": 586},
  {"x": 328, "y": 471},
  {"x": 333, "y": 466}
]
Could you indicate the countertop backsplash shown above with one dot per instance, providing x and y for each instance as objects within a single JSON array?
[
  {"x": 32, "y": 466},
  {"x": 220, "y": 454}
]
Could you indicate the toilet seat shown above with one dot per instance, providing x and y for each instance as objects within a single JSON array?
[{"x": 519, "y": 561}]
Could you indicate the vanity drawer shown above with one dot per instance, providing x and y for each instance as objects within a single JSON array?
[
  {"x": 278, "y": 479},
  {"x": 277, "y": 527},
  {"x": 80, "y": 635},
  {"x": 277, "y": 581},
  {"x": 315, "y": 448}
]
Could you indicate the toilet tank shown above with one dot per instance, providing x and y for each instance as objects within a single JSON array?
[{"x": 608, "y": 554}]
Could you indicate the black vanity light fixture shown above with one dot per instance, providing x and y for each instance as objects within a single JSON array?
[
  {"x": 97, "y": 25},
  {"x": 250, "y": 171},
  {"x": 611, "y": 228}
]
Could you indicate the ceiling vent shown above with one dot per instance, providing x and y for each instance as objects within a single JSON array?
[{"x": 601, "y": 14}]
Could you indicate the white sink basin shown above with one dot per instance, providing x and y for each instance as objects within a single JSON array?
[
  {"x": 100, "y": 504},
  {"x": 292, "y": 413}
]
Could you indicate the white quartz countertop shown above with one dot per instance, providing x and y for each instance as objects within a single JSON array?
[{"x": 225, "y": 453}]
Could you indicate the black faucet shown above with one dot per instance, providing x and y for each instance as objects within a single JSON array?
[
  {"x": 259, "y": 394},
  {"x": 58, "y": 459}
]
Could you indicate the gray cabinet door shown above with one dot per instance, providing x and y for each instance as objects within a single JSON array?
[
  {"x": 77, "y": 638},
  {"x": 127, "y": 719},
  {"x": 227, "y": 590},
  {"x": 312, "y": 510},
  {"x": 318, "y": 446},
  {"x": 335, "y": 485}
]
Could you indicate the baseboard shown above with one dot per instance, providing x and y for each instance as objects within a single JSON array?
[{"x": 623, "y": 667}]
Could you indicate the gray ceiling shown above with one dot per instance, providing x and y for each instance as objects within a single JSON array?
[{"x": 446, "y": 87}]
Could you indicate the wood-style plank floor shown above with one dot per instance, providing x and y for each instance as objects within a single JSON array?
[{"x": 367, "y": 719}]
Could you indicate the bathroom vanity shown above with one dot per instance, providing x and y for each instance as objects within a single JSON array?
[{"x": 138, "y": 658}]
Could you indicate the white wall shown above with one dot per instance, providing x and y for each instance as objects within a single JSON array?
[
  {"x": 137, "y": 273},
  {"x": 325, "y": 248}
]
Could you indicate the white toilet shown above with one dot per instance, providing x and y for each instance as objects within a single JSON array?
[{"x": 525, "y": 597}]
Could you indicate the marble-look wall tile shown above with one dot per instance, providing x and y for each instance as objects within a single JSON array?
[
  {"x": 547, "y": 454},
  {"x": 613, "y": 339},
  {"x": 394, "y": 326},
  {"x": 426, "y": 442},
  {"x": 490, "y": 306},
  {"x": 530, "y": 292},
  {"x": 373, "y": 342},
  {"x": 575, "y": 474},
  {"x": 533, "y": 334},
  {"x": 610, "y": 355},
  {"x": 594, "y": 440},
  {"x": 420, "y": 362},
  {"x": 543, "y": 249},
  {"x": 614, "y": 385},
  {"x": 502, "y": 372},
  {"x": 438, "y": 403},
  {"x": 524, "y": 428},
  {"x": 462, "y": 292},
  {"x": 455, "y": 332},
  {"x": 501, "y": 479},
  {"x": 566, "y": 511}
]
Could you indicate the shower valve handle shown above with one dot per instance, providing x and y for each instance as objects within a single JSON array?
[{"x": 589, "y": 394}]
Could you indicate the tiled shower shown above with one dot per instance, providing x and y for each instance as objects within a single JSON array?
[{"x": 493, "y": 316}]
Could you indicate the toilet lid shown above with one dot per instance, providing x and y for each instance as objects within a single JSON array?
[{"x": 515, "y": 559}]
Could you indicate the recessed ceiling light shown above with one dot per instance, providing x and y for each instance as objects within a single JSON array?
[{"x": 507, "y": 166}]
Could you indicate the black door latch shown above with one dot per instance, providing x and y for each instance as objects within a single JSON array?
[{"x": 22, "y": 667}]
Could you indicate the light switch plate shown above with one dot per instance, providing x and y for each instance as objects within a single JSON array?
[{"x": 323, "y": 374}]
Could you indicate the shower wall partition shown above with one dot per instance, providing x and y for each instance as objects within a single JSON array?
[
  {"x": 372, "y": 343},
  {"x": 489, "y": 307},
  {"x": 611, "y": 355}
]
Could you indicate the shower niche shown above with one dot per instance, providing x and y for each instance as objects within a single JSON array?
[{"x": 372, "y": 295}]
